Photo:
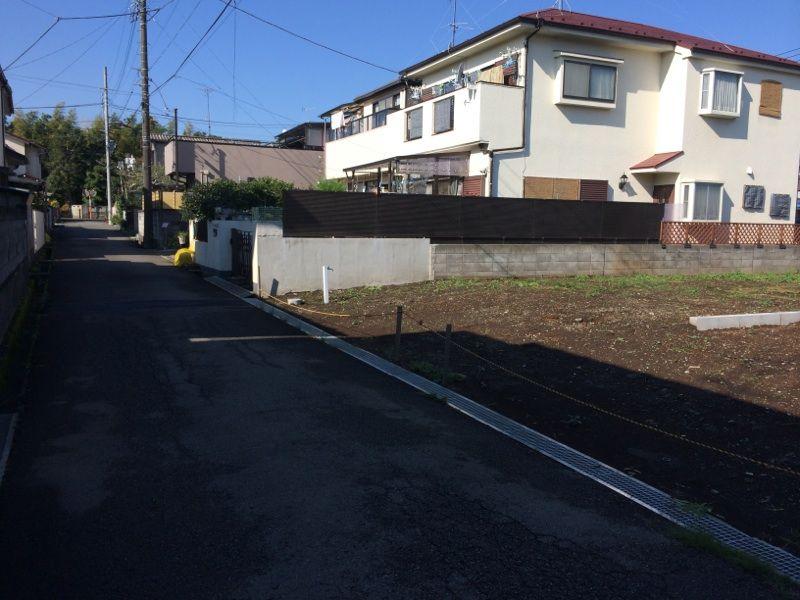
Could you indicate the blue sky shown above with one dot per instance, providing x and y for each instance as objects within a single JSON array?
[{"x": 279, "y": 80}]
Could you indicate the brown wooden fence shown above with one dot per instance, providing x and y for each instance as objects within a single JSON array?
[
  {"x": 444, "y": 218},
  {"x": 738, "y": 234}
]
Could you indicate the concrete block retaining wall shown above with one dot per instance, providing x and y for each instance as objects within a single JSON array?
[{"x": 534, "y": 260}]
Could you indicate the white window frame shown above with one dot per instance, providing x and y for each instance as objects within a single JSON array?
[
  {"x": 687, "y": 202},
  {"x": 563, "y": 57},
  {"x": 710, "y": 111}
]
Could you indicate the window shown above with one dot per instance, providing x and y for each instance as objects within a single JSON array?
[
  {"x": 381, "y": 108},
  {"x": 720, "y": 93},
  {"x": 686, "y": 191},
  {"x": 386, "y": 103},
  {"x": 771, "y": 99},
  {"x": 443, "y": 115},
  {"x": 414, "y": 124},
  {"x": 707, "y": 201},
  {"x": 587, "y": 81}
]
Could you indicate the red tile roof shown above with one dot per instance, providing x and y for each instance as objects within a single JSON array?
[
  {"x": 573, "y": 20},
  {"x": 656, "y": 160}
]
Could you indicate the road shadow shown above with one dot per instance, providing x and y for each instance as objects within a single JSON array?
[{"x": 637, "y": 423}]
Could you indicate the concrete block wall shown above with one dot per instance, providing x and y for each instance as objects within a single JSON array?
[{"x": 537, "y": 260}]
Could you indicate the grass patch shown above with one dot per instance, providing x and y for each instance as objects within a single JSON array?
[
  {"x": 703, "y": 541},
  {"x": 457, "y": 283},
  {"x": 351, "y": 294},
  {"x": 434, "y": 373}
]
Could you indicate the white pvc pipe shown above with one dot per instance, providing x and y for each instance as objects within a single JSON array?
[{"x": 325, "y": 292}]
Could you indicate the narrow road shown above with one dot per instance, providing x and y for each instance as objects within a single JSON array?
[{"x": 163, "y": 454}]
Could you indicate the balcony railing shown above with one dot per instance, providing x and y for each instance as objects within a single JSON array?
[
  {"x": 737, "y": 234},
  {"x": 361, "y": 124}
]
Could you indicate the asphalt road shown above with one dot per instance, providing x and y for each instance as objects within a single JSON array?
[{"x": 158, "y": 456}]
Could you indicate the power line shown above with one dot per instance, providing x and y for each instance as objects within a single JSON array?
[
  {"x": 201, "y": 119},
  {"x": 36, "y": 41},
  {"x": 310, "y": 41},
  {"x": 203, "y": 37},
  {"x": 124, "y": 71},
  {"x": 58, "y": 106},
  {"x": 175, "y": 35},
  {"x": 43, "y": 56},
  {"x": 788, "y": 51},
  {"x": 64, "y": 83},
  {"x": 80, "y": 56},
  {"x": 58, "y": 19}
]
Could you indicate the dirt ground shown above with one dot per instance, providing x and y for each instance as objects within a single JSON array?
[{"x": 622, "y": 350}]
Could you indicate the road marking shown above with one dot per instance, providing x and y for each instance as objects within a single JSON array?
[
  {"x": 247, "y": 338},
  {"x": 638, "y": 491}
]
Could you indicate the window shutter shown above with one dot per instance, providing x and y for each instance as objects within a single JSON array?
[
  {"x": 538, "y": 187},
  {"x": 595, "y": 190},
  {"x": 567, "y": 189},
  {"x": 473, "y": 186},
  {"x": 443, "y": 115},
  {"x": 771, "y": 99},
  {"x": 781, "y": 206},
  {"x": 753, "y": 197},
  {"x": 414, "y": 124}
]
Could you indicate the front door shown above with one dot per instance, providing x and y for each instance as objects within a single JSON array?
[{"x": 664, "y": 194}]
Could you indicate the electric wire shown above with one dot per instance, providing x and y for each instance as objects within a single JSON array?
[
  {"x": 310, "y": 41},
  {"x": 194, "y": 48}
]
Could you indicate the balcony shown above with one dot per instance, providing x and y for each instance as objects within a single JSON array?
[
  {"x": 486, "y": 116},
  {"x": 361, "y": 124}
]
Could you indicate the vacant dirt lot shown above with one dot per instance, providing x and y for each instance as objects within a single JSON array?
[{"x": 620, "y": 345}]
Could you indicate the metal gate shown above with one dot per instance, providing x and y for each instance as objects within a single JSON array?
[{"x": 242, "y": 253}]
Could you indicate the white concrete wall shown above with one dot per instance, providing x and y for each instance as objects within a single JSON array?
[
  {"x": 582, "y": 142},
  {"x": 283, "y": 265},
  {"x": 672, "y": 102},
  {"x": 721, "y": 150},
  {"x": 491, "y": 113},
  {"x": 38, "y": 226},
  {"x": 215, "y": 254}
]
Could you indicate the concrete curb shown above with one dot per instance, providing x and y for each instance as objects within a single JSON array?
[
  {"x": 706, "y": 323},
  {"x": 635, "y": 490},
  {"x": 6, "y": 450}
]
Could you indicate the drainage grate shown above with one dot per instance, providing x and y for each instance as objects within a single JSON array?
[{"x": 622, "y": 483}]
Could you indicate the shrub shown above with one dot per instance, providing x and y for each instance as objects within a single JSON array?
[
  {"x": 201, "y": 199},
  {"x": 330, "y": 185}
]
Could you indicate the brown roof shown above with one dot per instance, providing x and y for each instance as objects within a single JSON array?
[
  {"x": 555, "y": 17},
  {"x": 656, "y": 160},
  {"x": 573, "y": 20}
]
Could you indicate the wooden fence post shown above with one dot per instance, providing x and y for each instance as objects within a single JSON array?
[
  {"x": 447, "y": 331},
  {"x": 398, "y": 331}
]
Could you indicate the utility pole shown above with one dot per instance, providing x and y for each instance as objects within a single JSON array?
[
  {"x": 108, "y": 143},
  {"x": 175, "y": 149},
  {"x": 207, "y": 91},
  {"x": 147, "y": 172}
]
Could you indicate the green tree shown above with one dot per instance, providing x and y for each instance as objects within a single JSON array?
[{"x": 330, "y": 185}]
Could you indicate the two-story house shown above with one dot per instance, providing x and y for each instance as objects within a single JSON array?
[{"x": 557, "y": 104}]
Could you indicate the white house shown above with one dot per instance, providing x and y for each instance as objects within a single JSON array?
[{"x": 557, "y": 104}]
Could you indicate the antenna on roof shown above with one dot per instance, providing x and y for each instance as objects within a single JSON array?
[
  {"x": 559, "y": 4},
  {"x": 454, "y": 25}
]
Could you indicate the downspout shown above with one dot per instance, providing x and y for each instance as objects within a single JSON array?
[{"x": 524, "y": 109}]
